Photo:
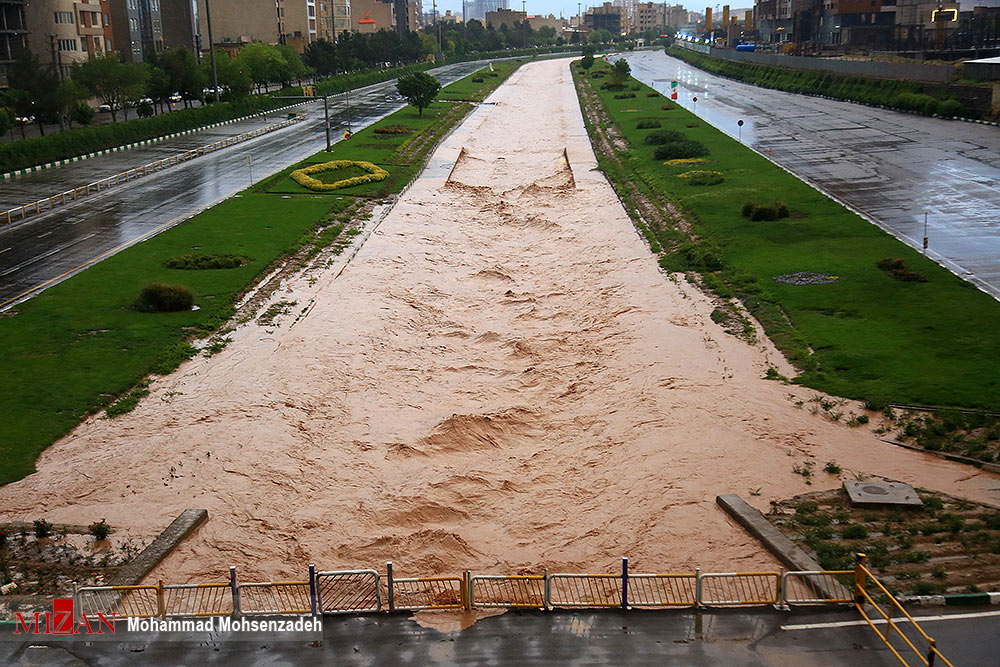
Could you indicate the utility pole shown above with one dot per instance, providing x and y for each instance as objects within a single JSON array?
[
  {"x": 211, "y": 49},
  {"x": 524, "y": 26},
  {"x": 56, "y": 56}
]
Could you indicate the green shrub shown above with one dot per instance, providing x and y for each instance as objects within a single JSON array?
[
  {"x": 854, "y": 532},
  {"x": 199, "y": 261},
  {"x": 392, "y": 129},
  {"x": 624, "y": 96},
  {"x": 895, "y": 268},
  {"x": 647, "y": 124},
  {"x": 747, "y": 209},
  {"x": 653, "y": 94},
  {"x": 661, "y": 137},
  {"x": 950, "y": 108},
  {"x": 478, "y": 79},
  {"x": 701, "y": 255},
  {"x": 701, "y": 177},
  {"x": 100, "y": 529},
  {"x": 686, "y": 148},
  {"x": 163, "y": 298},
  {"x": 42, "y": 528},
  {"x": 667, "y": 107}
]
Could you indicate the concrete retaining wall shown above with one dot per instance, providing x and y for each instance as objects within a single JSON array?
[{"x": 185, "y": 524}]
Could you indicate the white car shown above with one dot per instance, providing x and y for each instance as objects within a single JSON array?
[
  {"x": 176, "y": 97},
  {"x": 104, "y": 108}
]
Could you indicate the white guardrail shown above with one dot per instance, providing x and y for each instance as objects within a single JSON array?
[{"x": 48, "y": 203}]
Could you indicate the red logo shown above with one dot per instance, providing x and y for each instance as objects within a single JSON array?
[{"x": 60, "y": 621}]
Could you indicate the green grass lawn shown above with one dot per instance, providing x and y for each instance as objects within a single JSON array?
[
  {"x": 865, "y": 336},
  {"x": 78, "y": 346}
]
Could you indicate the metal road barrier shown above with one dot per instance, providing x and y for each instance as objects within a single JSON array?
[
  {"x": 585, "y": 590},
  {"x": 723, "y": 589},
  {"x": 60, "y": 198},
  {"x": 816, "y": 587},
  {"x": 662, "y": 590},
  {"x": 120, "y": 601},
  {"x": 513, "y": 592},
  {"x": 274, "y": 598},
  {"x": 926, "y": 654},
  {"x": 348, "y": 592},
  {"x": 198, "y": 600}
]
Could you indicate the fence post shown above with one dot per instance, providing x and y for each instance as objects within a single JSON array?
[
  {"x": 931, "y": 654},
  {"x": 76, "y": 601},
  {"x": 312, "y": 588},
  {"x": 697, "y": 588},
  {"x": 546, "y": 592},
  {"x": 859, "y": 577},
  {"x": 161, "y": 605},
  {"x": 388, "y": 571},
  {"x": 782, "y": 589},
  {"x": 624, "y": 582},
  {"x": 235, "y": 590},
  {"x": 467, "y": 600}
]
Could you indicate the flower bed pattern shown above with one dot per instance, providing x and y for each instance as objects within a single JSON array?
[{"x": 303, "y": 176}]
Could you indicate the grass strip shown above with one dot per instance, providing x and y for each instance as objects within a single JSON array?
[
  {"x": 79, "y": 347},
  {"x": 866, "y": 334}
]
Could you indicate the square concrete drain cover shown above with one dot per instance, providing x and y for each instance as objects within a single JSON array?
[{"x": 882, "y": 493}]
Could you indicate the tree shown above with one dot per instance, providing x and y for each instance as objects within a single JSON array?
[
  {"x": 82, "y": 113},
  {"x": 6, "y": 122},
  {"x": 185, "y": 76},
  {"x": 112, "y": 81},
  {"x": 419, "y": 89},
  {"x": 38, "y": 90},
  {"x": 587, "y": 61},
  {"x": 68, "y": 95},
  {"x": 620, "y": 72}
]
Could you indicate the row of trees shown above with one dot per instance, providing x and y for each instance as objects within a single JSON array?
[{"x": 36, "y": 90}]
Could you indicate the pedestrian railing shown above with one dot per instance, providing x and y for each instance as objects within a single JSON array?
[
  {"x": 585, "y": 590},
  {"x": 197, "y": 600},
  {"x": 59, "y": 199},
  {"x": 419, "y": 593},
  {"x": 903, "y": 636},
  {"x": 275, "y": 598},
  {"x": 662, "y": 590},
  {"x": 816, "y": 587},
  {"x": 120, "y": 601},
  {"x": 509, "y": 592},
  {"x": 348, "y": 592},
  {"x": 727, "y": 589}
]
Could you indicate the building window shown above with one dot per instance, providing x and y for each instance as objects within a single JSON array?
[
  {"x": 68, "y": 45},
  {"x": 107, "y": 20},
  {"x": 107, "y": 45},
  {"x": 64, "y": 18},
  {"x": 133, "y": 4},
  {"x": 133, "y": 25}
]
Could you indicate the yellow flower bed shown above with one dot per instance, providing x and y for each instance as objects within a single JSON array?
[
  {"x": 683, "y": 161},
  {"x": 303, "y": 176},
  {"x": 699, "y": 172}
]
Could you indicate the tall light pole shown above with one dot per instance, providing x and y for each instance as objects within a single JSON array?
[
  {"x": 211, "y": 49},
  {"x": 524, "y": 20}
]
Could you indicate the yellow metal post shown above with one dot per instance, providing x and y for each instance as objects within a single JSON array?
[
  {"x": 859, "y": 576},
  {"x": 160, "y": 603}
]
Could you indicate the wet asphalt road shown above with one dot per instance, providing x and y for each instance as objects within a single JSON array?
[
  {"x": 889, "y": 166},
  {"x": 54, "y": 245},
  {"x": 730, "y": 638}
]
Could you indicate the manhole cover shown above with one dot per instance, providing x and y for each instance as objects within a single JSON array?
[{"x": 882, "y": 493}]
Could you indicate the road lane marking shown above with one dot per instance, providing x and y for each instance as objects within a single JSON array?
[
  {"x": 42, "y": 236},
  {"x": 51, "y": 252},
  {"x": 882, "y": 621},
  {"x": 5, "y": 250}
]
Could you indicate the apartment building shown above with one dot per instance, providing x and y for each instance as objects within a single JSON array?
[
  {"x": 68, "y": 31},
  {"x": 371, "y": 15},
  {"x": 13, "y": 34},
  {"x": 606, "y": 17}
]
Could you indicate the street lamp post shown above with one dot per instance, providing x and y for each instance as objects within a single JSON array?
[{"x": 211, "y": 49}]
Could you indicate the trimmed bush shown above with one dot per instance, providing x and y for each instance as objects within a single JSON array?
[
  {"x": 163, "y": 298},
  {"x": 392, "y": 129},
  {"x": 757, "y": 212},
  {"x": 647, "y": 124},
  {"x": 199, "y": 261},
  {"x": 702, "y": 177},
  {"x": 663, "y": 137},
  {"x": 653, "y": 94},
  {"x": 950, "y": 108},
  {"x": 624, "y": 96},
  {"x": 701, "y": 255},
  {"x": 895, "y": 268},
  {"x": 684, "y": 148},
  {"x": 747, "y": 209},
  {"x": 667, "y": 107},
  {"x": 478, "y": 79}
]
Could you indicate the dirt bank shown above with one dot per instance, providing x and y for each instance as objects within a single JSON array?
[{"x": 501, "y": 379}]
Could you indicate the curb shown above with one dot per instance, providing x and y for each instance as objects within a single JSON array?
[
  {"x": 951, "y": 599},
  {"x": 17, "y": 173},
  {"x": 178, "y": 530}
]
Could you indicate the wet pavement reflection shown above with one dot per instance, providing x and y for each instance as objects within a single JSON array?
[
  {"x": 54, "y": 245},
  {"x": 890, "y": 166}
]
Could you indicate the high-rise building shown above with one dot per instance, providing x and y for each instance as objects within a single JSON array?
[
  {"x": 13, "y": 34},
  {"x": 68, "y": 31},
  {"x": 476, "y": 9},
  {"x": 179, "y": 27},
  {"x": 606, "y": 17},
  {"x": 138, "y": 28},
  {"x": 296, "y": 23}
]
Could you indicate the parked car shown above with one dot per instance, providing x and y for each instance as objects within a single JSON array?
[
  {"x": 24, "y": 120},
  {"x": 104, "y": 108},
  {"x": 176, "y": 97}
]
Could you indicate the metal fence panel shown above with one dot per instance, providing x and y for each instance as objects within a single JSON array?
[
  {"x": 429, "y": 593},
  {"x": 490, "y": 591},
  {"x": 585, "y": 590},
  {"x": 272, "y": 598},
  {"x": 122, "y": 601},
  {"x": 661, "y": 590},
  {"x": 348, "y": 591},
  {"x": 198, "y": 600},
  {"x": 731, "y": 588},
  {"x": 817, "y": 587}
]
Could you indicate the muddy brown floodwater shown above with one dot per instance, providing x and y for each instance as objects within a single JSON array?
[{"x": 501, "y": 380}]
